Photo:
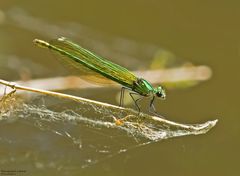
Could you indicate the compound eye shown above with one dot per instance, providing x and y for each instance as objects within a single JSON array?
[{"x": 159, "y": 94}]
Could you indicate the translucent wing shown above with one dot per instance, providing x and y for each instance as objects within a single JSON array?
[
  {"x": 84, "y": 72},
  {"x": 97, "y": 66}
]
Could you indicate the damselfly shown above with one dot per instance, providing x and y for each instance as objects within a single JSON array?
[{"x": 80, "y": 58}]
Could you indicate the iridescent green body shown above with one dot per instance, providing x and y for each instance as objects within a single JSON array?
[{"x": 81, "y": 58}]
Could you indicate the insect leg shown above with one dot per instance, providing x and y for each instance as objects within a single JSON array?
[
  {"x": 152, "y": 108},
  {"x": 122, "y": 96},
  {"x": 135, "y": 101}
]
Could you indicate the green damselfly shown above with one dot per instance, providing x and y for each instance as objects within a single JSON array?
[{"x": 81, "y": 58}]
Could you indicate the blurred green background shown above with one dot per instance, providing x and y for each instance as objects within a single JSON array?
[{"x": 202, "y": 32}]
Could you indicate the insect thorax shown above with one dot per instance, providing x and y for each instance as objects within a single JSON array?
[{"x": 143, "y": 87}]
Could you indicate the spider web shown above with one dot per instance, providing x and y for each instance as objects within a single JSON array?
[{"x": 82, "y": 133}]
